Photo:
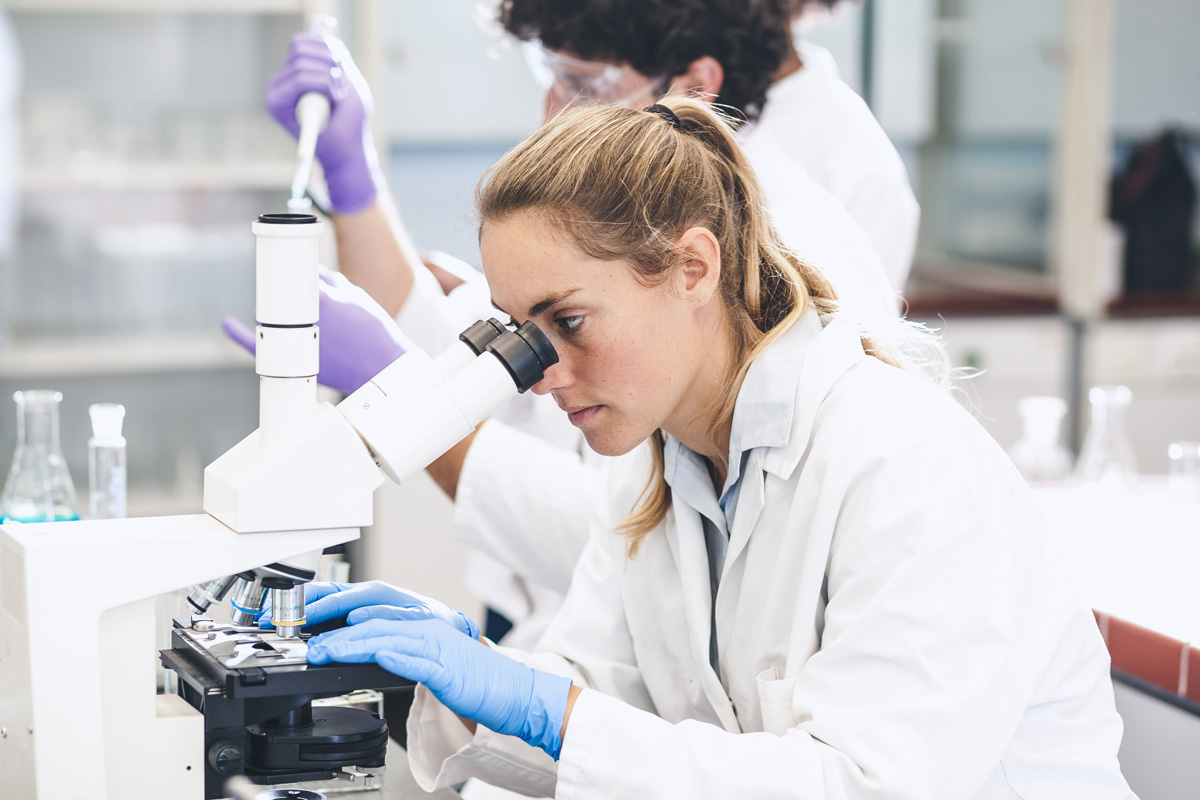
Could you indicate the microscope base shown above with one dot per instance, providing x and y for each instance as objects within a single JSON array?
[
  {"x": 335, "y": 737},
  {"x": 259, "y": 720}
]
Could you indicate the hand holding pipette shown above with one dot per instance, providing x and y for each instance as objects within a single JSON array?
[
  {"x": 319, "y": 68},
  {"x": 312, "y": 114}
]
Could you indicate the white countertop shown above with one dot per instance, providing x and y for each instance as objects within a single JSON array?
[{"x": 1133, "y": 551}]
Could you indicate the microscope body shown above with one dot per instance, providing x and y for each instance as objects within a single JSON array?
[
  {"x": 77, "y": 674},
  {"x": 79, "y": 713}
]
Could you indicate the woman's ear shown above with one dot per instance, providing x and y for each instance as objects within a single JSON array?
[
  {"x": 699, "y": 269},
  {"x": 702, "y": 79}
]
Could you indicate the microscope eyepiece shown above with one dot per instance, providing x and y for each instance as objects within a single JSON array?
[
  {"x": 526, "y": 353},
  {"x": 481, "y": 334},
  {"x": 287, "y": 219}
]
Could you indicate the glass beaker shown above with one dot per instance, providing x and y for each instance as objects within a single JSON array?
[
  {"x": 1185, "y": 466},
  {"x": 39, "y": 487},
  {"x": 1107, "y": 453},
  {"x": 1038, "y": 454}
]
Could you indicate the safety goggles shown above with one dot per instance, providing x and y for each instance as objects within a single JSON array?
[{"x": 574, "y": 81}]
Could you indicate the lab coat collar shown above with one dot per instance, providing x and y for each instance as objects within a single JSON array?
[
  {"x": 825, "y": 353},
  {"x": 779, "y": 397}
]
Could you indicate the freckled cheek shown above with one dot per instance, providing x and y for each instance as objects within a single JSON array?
[{"x": 632, "y": 371}]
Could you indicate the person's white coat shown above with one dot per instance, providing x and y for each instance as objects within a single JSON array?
[
  {"x": 889, "y": 622},
  {"x": 825, "y": 128}
]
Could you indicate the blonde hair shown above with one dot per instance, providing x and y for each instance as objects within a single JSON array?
[{"x": 624, "y": 185}]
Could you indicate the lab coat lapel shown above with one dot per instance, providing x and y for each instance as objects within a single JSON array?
[
  {"x": 837, "y": 349},
  {"x": 686, "y": 541},
  {"x": 824, "y": 353},
  {"x": 751, "y": 500}
]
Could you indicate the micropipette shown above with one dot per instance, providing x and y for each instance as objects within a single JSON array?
[{"x": 312, "y": 112}]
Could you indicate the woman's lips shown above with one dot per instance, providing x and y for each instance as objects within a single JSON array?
[{"x": 581, "y": 416}]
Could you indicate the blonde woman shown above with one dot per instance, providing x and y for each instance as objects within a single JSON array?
[{"x": 822, "y": 578}]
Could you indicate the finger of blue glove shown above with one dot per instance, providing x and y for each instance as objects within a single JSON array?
[
  {"x": 373, "y": 629},
  {"x": 366, "y": 613},
  {"x": 467, "y": 676},
  {"x": 339, "y": 603},
  {"x": 456, "y": 619},
  {"x": 354, "y": 651},
  {"x": 239, "y": 332},
  {"x": 465, "y": 625}
]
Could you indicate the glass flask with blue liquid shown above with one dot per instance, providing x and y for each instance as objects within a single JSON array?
[{"x": 39, "y": 487}]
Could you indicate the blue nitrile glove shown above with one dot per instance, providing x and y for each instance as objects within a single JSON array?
[
  {"x": 322, "y": 64},
  {"x": 358, "y": 338},
  {"x": 359, "y": 602},
  {"x": 468, "y": 677}
]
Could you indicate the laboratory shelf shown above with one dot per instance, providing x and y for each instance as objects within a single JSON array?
[
  {"x": 117, "y": 176},
  {"x": 173, "y": 6},
  {"x": 120, "y": 355}
]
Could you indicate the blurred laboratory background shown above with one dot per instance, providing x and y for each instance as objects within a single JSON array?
[{"x": 1053, "y": 146}]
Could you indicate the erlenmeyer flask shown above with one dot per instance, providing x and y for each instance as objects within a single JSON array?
[
  {"x": 1038, "y": 454},
  {"x": 39, "y": 487},
  {"x": 1107, "y": 453}
]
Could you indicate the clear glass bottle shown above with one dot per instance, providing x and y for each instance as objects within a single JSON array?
[
  {"x": 1038, "y": 454},
  {"x": 39, "y": 487},
  {"x": 1107, "y": 453},
  {"x": 106, "y": 462}
]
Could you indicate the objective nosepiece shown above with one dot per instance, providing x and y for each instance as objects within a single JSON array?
[{"x": 206, "y": 595}]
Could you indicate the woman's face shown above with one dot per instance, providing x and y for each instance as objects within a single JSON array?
[{"x": 632, "y": 358}]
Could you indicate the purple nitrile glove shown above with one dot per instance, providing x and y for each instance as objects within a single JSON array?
[
  {"x": 358, "y": 338},
  {"x": 345, "y": 148}
]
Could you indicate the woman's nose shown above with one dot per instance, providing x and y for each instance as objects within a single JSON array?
[{"x": 556, "y": 378}]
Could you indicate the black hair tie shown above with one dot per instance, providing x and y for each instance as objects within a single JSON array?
[{"x": 665, "y": 113}]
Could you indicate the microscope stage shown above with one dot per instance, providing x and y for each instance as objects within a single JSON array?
[{"x": 235, "y": 646}]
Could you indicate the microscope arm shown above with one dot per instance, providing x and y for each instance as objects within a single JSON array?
[
  {"x": 323, "y": 473},
  {"x": 412, "y": 411}
]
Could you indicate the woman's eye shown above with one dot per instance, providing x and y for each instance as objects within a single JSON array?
[{"x": 569, "y": 324}]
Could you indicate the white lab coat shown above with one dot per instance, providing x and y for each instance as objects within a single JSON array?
[
  {"x": 816, "y": 121},
  {"x": 889, "y": 624}
]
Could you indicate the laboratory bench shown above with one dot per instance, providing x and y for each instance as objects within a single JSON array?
[
  {"x": 1132, "y": 552},
  {"x": 398, "y": 782}
]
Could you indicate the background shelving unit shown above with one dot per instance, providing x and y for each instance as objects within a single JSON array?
[{"x": 145, "y": 154}]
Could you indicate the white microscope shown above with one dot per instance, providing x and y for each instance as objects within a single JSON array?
[{"x": 79, "y": 713}]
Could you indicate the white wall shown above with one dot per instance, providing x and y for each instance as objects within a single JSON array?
[
  {"x": 1014, "y": 357},
  {"x": 1158, "y": 359},
  {"x": 410, "y": 545},
  {"x": 454, "y": 78}
]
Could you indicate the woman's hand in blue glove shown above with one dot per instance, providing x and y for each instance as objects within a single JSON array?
[
  {"x": 359, "y": 602},
  {"x": 468, "y": 677}
]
